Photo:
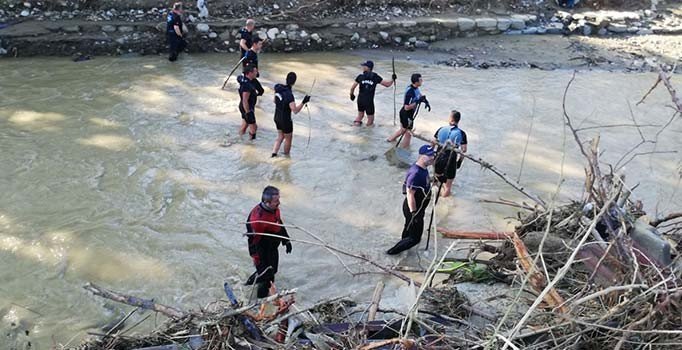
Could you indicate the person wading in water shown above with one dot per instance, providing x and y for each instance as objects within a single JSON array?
[
  {"x": 413, "y": 97},
  {"x": 263, "y": 249},
  {"x": 417, "y": 190},
  {"x": 247, "y": 102},
  {"x": 285, "y": 103},
  {"x": 449, "y": 138},
  {"x": 367, "y": 81},
  {"x": 251, "y": 59},
  {"x": 176, "y": 42}
]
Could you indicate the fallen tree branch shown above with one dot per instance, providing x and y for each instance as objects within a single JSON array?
[
  {"x": 668, "y": 217},
  {"x": 147, "y": 304},
  {"x": 537, "y": 280},
  {"x": 454, "y": 234},
  {"x": 497, "y": 172}
]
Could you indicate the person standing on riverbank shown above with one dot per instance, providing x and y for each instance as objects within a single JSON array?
[
  {"x": 176, "y": 41},
  {"x": 248, "y": 96},
  {"x": 413, "y": 98},
  {"x": 449, "y": 138},
  {"x": 265, "y": 218},
  {"x": 367, "y": 81},
  {"x": 417, "y": 190},
  {"x": 285, "y": 103},
  {"x": 246, "y": 36}
]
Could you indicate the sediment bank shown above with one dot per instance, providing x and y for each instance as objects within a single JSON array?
[{"x": 30, "y": 33}]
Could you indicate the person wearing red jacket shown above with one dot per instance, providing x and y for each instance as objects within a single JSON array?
[{"x": 265, "y": 218}]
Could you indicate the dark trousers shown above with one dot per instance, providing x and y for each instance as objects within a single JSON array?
[
  {"x": 414, "y": 225},
  {"x": 177, "y": 44},
  {"x": 266, "y": 261}
]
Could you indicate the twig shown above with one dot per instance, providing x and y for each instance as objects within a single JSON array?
[
  {"x": 376, "y": 299},
  {"x": 338, "y": 250},
  {"x": 525, "y": 147},
  {"x": 618, "y": 126},
  {"x": 607, "y": 291}
]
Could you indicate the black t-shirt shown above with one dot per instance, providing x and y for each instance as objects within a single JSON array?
[
  {"x": 248, "y": 36},
  {"x": 246, "y": 86},
  {"x": 283, "y": 97},
  {"x": 368, "y": 83},
  {"x": 251, "y": 59},
  {"x": 173, "y": 20}
]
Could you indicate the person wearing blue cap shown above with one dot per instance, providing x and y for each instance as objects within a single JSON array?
[
  {"x": 367, "y": 81},
  {"x": 417, "y": 190}
]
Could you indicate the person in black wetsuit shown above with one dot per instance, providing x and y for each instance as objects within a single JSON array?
[
  {"x": 367, "y": 81},
  {"x": 176, "y": 42},
  {"x": 251, "y": 59},
  {"x": 413, "y": 97},
  {"x": 285, "y": 103},
  {"x": 248, "y": 96},
  {"x": 263, "y": 249},
  {"x": 417, "y": 190},
  {"x": 246, "y": 37}
]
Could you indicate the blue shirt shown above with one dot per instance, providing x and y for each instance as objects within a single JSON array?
[
  {"x": 173, "y": 20},
  {"x": 450, "y": 132},
  {"x": 412, "y": 95},
  {"x": 418, "y": 178}
]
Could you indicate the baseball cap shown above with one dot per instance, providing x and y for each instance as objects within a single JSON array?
[
  {"x": 427, "y": 150},
  {"x": 368, "y": 64}
]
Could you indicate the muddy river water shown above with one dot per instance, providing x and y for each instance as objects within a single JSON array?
[{"x": 111, "y": 171}]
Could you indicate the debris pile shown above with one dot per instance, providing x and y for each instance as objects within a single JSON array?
[{"x": 594, "y": 273}]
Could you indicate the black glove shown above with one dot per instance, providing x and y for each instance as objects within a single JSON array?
[
  {"x": 352, "y": 96},
  {"x": 422, "y": 99},
  {"x": 394, "y": 77},
  {"x": 306, "y": 99},
  {"x": 288, "y": 245},
  {"x": 428, "y": 106}
]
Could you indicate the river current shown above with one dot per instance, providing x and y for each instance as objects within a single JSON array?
[{"x": 112, "y": 171}]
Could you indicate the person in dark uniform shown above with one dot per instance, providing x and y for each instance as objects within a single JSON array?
[
  {"x": 251, "y": 59},
  {"x": 367, "y": 81},
  {"x": 413, "y": 97},
  {"x": 285, "y": 103},
  {"x": 263, "y": 249},
  {"x": 174, "y": 32},
  {"x": 417, "y": 190},
  {"x": 449, "y": 138},
  {"x": 248, "y": 96},
  {"x": 246, "y": 37}
]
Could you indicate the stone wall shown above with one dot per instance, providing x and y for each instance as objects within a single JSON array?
[{"x": 67, "y": 37}]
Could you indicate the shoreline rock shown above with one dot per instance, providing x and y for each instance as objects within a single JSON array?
[{"x": 114, "y": 32}]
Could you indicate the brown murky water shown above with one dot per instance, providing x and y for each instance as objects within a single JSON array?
[{"x": 111, "y": 172}]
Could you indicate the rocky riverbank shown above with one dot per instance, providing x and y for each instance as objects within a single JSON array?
[{"x": 27, "y": 30}]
